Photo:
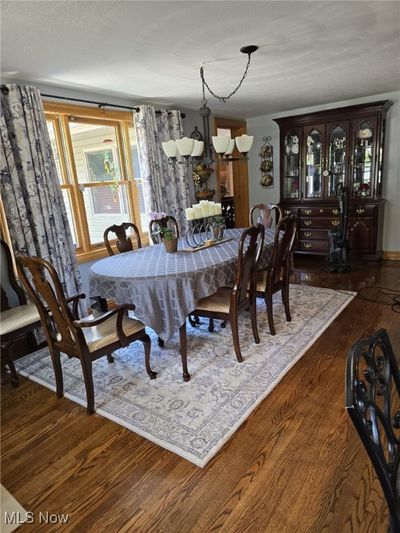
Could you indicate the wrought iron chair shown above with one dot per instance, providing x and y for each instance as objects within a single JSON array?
[
  {"x": 166, "y": 222},
  {"x": 276, "y": 277},
  {"x": 372, "y": 386},
  {"x": 87, "y": 339},
  {"x": 262, "y": 213},
  {"x": 124, "y": 242},
  {"x": 226, "y": 303},
  {"x": 17, "y": 316}
]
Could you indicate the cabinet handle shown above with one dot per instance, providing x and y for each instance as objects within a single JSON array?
[
  {"x": 307, "y": 233},
  {"x": 335, "y": 211},
  {"x": 360, "y": 211},
  {"x": 335, "y": 222},
  {"x": 307, "y": 245},
  {"x": 287, "y": 211},
  {"x": 322, "y": 210},
  {"x": 307, "y": 211},
  {"x": 307, "y": 222}
]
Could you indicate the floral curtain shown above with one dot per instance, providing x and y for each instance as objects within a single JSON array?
[
  {"x": 31, "y": 193},
  {"x": 165, "y": 185}
]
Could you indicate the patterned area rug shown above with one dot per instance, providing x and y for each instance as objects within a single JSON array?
[{"x": 195, "y": 419}]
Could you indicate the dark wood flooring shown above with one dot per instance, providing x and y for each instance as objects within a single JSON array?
[{"x": 295, "y": 465}]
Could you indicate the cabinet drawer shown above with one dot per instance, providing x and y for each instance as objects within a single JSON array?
[
  {"x": 319, "y": 222},
  {"x": 362, "y": 211},
  {"x": 319, "y": 212},
  {"x": 314, "y": 246},
  {"x": 312, "y": 234}
]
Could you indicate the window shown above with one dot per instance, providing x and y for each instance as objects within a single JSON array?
[{"x": 95, "y": 152}]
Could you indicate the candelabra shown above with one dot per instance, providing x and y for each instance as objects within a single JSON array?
[{"x": 205, "y": 231}]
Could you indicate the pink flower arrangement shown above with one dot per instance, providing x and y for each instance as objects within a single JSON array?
[{"x": 157, "y": 216}]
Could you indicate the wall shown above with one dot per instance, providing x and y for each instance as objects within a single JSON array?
[{"x": 264, "y": 126}]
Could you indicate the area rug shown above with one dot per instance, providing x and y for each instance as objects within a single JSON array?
[{"x": 195, "y": 419}]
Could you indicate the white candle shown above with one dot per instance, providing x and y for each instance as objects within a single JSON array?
[
  {"x": 219, "y": 209},
  {"x": 190, "y": 213},
  {"x": 197, "y": 211}
]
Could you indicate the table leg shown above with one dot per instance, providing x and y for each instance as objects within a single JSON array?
[
  {"x": 183, "y": 350},
  {"x": 160, "y": 342}
]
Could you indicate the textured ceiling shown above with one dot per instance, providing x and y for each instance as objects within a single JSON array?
[{"x": 310, "y": 52}]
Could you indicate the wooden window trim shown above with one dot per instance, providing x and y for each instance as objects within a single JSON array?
[{"x": 60, "y": 116}]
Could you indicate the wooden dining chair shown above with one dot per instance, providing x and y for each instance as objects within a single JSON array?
[
  {"x": 17, "y": 316},
  {"x": 166, "y": 222},
  {"x": 276, "y": 276},
  {"x": 226, "y": 303},
  {"x": 372, "y": 402},
  {"x": 88, "y": 338},
  {"x": 124, "y": 242},
  {"x": 263, "y": 214}
]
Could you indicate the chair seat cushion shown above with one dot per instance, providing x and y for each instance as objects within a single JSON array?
[
  {"x": 218, "y": 302},
  {"x": 18, "y": 317},
  {"x": 106, "y": 333}
]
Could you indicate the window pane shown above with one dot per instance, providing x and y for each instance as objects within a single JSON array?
[
  {"x": 68, "y": 207},
  {"x": 52, "y": 135},
  {"x": 138, "y": 179},
  {"x": 95, "y": 152},
  {"x": 105, "y": 206}
]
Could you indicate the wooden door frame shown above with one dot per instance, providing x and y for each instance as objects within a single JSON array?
[{"x": 240, "y": 171}]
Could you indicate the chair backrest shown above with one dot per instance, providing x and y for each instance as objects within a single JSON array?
[
  {"x": 372, "y": 383},
  {"x": 124, "y": 241},
  {"x": 156, "y": 225},
  {"x": 285, "y": 232},
  {"x": 11, "y": 293},
  {"x": 250, "y": 246},
  {"x": 263, "y": 214},
  {"x": 44, "y": 288}
]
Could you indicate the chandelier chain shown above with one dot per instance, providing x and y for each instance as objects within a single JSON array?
[{"x": 222, "y": 99}]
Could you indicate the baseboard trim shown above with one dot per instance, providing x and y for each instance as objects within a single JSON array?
[{"x": 391, "y": 256}]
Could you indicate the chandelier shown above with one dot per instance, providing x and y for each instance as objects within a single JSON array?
[{"x": 192, "y": 148}]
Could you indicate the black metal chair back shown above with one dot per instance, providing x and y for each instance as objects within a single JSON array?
[
  {"x": 372, "y": 387},
  {"x": 156, "y": 225}
]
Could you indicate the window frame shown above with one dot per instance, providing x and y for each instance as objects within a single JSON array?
[{"x": 59, "y": 115}]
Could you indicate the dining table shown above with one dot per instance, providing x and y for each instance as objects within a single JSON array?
[{"x": 166, "y": 287}]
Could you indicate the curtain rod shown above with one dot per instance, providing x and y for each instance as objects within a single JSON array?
[{"x": 100, "y": 104}]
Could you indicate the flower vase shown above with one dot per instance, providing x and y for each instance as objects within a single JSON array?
[{"x": 171, "y": 245}]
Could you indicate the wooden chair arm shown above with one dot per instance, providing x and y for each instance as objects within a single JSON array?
[
  {"x": 120, "y": 309},
  {"x": 75, "y": 303}
]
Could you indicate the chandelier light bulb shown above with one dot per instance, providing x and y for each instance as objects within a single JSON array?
[
  {"x": 198, "y": 148},
  {"x": 244, "y": 143},
  {"x": 170, "y": 149},
  {"x": 185, "y": 146},
  {"x": 220, "y": 143},
  {"x": 231, "y": 146}
]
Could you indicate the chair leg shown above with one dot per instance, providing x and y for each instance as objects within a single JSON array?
[
  {"x": 56, "y": 360},
  {"x": 183, "y": 350},
  {"x": 285, "y": 299},
  {"x": 88, "y": 377},
  {"x": 13, "y": 372},
  {"x": 147, "y": 349},
  {"x": 270, "y": 314},
  {"x": 211, "y": 325},
  {"x": 235, "y": 336},
  {"x": 160, "y": 342},
  {"x": 253, "y": 318},
  {"x": 110, "y": 358}
]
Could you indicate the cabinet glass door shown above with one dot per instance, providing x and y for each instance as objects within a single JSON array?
[
  {"x": 363, "y": 155},
  {"x": 337, "y": 153},
  {"x": 314, "y": 163},
  {"x": 291, "y": 162}
]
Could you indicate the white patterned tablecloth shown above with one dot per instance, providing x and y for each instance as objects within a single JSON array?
[{"x": 166, "y": 287}]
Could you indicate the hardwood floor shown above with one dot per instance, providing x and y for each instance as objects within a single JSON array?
[{"x": 295, "y": 465}]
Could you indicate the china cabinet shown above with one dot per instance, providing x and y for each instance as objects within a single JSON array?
[{"x": 320, "y": 150}]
